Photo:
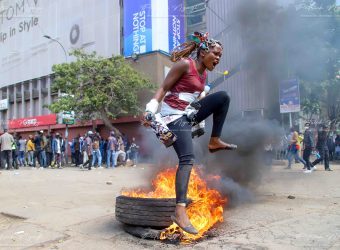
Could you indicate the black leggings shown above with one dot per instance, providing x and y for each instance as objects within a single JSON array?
[{"x": 216, "y": 104}]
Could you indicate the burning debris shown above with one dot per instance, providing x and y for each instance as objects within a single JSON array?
[{"x": 204, "y": 212}]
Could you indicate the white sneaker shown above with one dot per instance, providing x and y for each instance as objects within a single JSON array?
[
  {"x": 100, "y": 167},
  {"x": 308, "y": 171},
  {"x": 314, "y": 168}
]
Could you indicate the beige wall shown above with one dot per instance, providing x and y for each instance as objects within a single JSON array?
[{"x": 151, "y": 66}]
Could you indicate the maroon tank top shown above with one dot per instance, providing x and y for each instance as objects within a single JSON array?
[{"x": 190, "y": 82}]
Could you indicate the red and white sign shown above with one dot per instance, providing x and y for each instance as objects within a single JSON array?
[{"x": 33, "y": 121}]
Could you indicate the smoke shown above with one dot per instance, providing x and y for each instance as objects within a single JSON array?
[{"x": 279, "y": 42}]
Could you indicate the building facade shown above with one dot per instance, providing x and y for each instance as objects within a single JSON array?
[{"x": 38, "y": 34}]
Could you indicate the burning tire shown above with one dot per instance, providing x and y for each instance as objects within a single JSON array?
[{"x": 146, "y": 212}]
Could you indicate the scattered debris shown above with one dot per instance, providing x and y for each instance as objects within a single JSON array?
[
  {"x": 109, "y": 182},
  {"x": 19, "y": 232},
  {"x": 291, "y": 197}
]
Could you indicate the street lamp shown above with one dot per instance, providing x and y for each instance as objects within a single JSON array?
[
  {"x": 66, "y": 128},
  {"x": 55, "y": 40}
]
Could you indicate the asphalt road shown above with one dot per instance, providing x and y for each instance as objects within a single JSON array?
[{"x": 73, "y": 209}]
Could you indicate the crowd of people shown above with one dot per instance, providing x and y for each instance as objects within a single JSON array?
[
  {"x": 48, "y": 150},
  {"x": 317, "y": 141}
]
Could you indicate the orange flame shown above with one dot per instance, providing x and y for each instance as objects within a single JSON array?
[{"x": 205, "y": 210}]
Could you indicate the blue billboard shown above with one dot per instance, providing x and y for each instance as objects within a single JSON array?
[
  {"x": 137, "y": 27},
  {"x": 289, "y": 96},
  {"x": 151, "y": 25},
  {"x": 176, "y": 23}
]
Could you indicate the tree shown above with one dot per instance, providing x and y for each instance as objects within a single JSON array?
[{"x": 95, "y": 87}]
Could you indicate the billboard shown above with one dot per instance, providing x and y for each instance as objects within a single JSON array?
[
  {"x": 176, "y": 23},
  {"x": 151, "y": 25},
  {"x": 137, "y": 27},
  {"x": 26, "y": 54},
  {"x": 289, "y": 96}
]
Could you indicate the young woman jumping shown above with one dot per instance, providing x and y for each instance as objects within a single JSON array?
[{"x": 182, "y": 86}]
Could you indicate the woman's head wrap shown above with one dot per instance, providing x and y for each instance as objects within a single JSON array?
[{"x": 197, "y": 41}]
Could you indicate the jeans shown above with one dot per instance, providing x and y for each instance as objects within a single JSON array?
[
  {"x": 96, "y": 156},
  {"x": 120, "y": 152},
  {"x": 43, "y": 161},
  {"x": 6, "y": 156},
  {"x": 77, "y": 156},
  {"x": 324, "y": 156},
  {"x": 134, "y": 157},
  {"x": 294, "y": 155},
  {"x": 30, "y": 158},
  {"x": 22, "y": 158},
  {"x": 306, "y": 154},
  {"x": 216, "y": 104},
  {"x": 111, "y": 157}
]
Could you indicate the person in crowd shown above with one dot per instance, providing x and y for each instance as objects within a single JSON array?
[
  {"x": 48, "y": 150},
  {"x": 96, "y": 155},
  {"x": 337, "y": 147},
  {"x": 22, "y": 149},
  {"x": 6, "y": 141},
  {"x": 77, "y": 154},
  {"x": 134, "y": 149},
  {"x": 322, "y": 147},
  {"x": 102, "y": 148},
  {"x": 15, "y": 153},
  {"x": 112, "y": 145},
  {"x": 38, "y": 149},
  {"x": 88, "y": 149},
  {"x": 308, "y": 148},
  {"x": 120, "y": 151},
  {"x": 73, "y": 153},
  {"x": 125, "y": 139},
  {"x": 43, "y": 149},
  {"x": 56, "y": 149},
  {"x": 293, "y": 149},
  {"x": 81, "y": 143},
  {"x": 182, "y": 87},
  {"x": 30, "y": 150},
  {"x": 62, "y": 149},
  {"x": 331, "y": 146}
]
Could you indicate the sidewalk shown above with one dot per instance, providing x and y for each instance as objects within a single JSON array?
[{"x": 73, "y": 209}]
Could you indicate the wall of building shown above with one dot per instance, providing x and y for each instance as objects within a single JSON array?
[{"x": 246, "y": 95}]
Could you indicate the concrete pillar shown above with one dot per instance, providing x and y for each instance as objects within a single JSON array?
[
  {"x": 31, "y": 98},
  {"x": 23, "y": 100},
  {"x": 8, "y": 110},
  {"x": 15, "y": 105},
  {"x": 48, "y": 86},
  {"x": 40, "y": 101}
]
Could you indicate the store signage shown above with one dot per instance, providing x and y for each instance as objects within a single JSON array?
[{"x": 34, "y": 121}]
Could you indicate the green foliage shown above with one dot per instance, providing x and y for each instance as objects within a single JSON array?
[{"x": 95, "y": 87}]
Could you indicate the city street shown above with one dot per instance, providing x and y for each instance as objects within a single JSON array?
[{"x": 74, "y": 209}]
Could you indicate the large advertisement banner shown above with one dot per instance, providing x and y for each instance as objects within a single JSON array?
[
  {"x": 35, "y": 34},
  {"x": 176, "y": 23},
  {"x": 137, "y": 27},
  {"x": 289, "y": 96},
  {"x": 151, "y": 25}
]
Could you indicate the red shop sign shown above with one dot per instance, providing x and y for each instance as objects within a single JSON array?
[{"x": 33, "y": 121}]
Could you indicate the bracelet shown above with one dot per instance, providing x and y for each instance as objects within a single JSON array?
[{"x": 152, "y": 106}]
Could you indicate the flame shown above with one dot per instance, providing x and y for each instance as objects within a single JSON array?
[{"x": 205, "y": 210}]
